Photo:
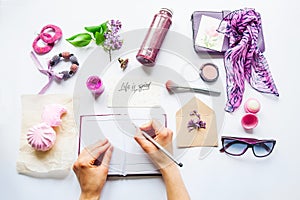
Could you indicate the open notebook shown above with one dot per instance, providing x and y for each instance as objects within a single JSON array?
[{"x": 128, "y": 157}]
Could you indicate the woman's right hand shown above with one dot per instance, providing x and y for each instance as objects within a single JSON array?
[
  {"x": 174, "y": 184},
  {"x": 161, "y": 135}
]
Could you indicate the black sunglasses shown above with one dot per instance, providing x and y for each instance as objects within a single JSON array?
[{"x": 237, "y": 146}]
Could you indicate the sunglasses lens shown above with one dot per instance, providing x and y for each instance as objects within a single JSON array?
[
  {"x": 263, "y": 149},
  {"x": 234, "y": 147}
]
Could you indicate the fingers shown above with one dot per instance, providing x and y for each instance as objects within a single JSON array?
[
  {"x": 157, "y": 126},
  {"x": 90, "y": 154},
  {"x": 106, "y": 159},
  {"x": 98, "y": 143},
  {"x": 153, "y": 127},
  {"x": 147, "y": 126},
  {"x": 164, "y": 137},
  {"x": 148, "y": 129},
  {"x": 153, "y": 124},
  {"x": 157, "y": 131},
  {"x": 146, "y": 145},
  {"x": 157, "y": 156},
  {"x": 98, "y": 150}
]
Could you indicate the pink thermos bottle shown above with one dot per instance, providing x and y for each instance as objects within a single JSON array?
[{"x": 155, "y": 36}]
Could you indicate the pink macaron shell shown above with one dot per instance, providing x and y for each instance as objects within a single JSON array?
[
  {"x": 249, "y": 121},
  {"x": 252, "y": 106},
  {"x": 52, "y": 114},
  {"x": 41, "y": 137}
]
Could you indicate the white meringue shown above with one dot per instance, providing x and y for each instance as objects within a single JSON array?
[
  {"x": 41, "y": 137},
  {"x": 52, "y": 114}
]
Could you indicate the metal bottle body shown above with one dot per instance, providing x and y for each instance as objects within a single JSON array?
[{"x": 154, "y": 38}]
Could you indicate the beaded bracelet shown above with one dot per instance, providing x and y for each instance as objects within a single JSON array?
[
  {"x": 52, "y": 75},
  {"x": 66, "y": 56}
]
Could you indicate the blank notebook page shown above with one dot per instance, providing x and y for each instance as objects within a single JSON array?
[{"x": 128, "y": 157}]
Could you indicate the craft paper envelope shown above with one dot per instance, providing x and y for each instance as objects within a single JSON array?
[{"x": 203, "y": 137}]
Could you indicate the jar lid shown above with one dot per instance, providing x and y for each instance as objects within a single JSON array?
[{"x": 252, "y": 105}]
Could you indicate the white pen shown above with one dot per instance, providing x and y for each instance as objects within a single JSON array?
[{"x": 161, "y": 148}]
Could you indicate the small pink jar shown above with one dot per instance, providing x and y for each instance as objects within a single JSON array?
[
  {"x": 252, "y": 106},
  {"x": 95, "y": 85},
  {"x": 249, "y": 121}
]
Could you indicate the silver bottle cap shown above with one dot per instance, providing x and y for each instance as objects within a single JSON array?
[{"x": 170, "y": 11}]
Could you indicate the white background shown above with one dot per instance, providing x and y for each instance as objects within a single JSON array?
[{"x": 218, "y": 176}]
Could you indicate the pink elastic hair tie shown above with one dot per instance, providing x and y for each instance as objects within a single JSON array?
[
  {"x": 47, "y": 38},
  {"x": 57, "y": 34}
]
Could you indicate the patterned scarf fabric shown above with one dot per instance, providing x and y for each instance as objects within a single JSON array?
[{"x": 243, "y": 60}]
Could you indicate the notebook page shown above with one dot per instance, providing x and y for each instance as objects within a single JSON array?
[
  {"x": 137, "y": 161},
  {"x": 91, "y": 131},
  {"x": 128, "y": 157}
]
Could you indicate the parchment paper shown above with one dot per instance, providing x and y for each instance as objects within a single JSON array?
[{"x": 57, "y": 162}]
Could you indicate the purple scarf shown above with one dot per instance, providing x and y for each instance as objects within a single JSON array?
[{"x": 243, "y": 60}]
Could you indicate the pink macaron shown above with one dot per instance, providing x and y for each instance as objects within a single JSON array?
[{"x": 252, "y": 105}]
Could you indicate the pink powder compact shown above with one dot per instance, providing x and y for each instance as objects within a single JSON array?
[{"x": 209, "y": 72}]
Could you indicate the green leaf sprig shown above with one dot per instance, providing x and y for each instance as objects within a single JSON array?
[
  {"x": 106, "y": 35},
  {"x": 96, "y": 33}
]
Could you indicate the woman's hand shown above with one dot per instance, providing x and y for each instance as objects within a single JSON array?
[
  {"x": 160, "y": 134},
  {"x": 91, "y": 171},
  {"x": 174, "y": 184}
]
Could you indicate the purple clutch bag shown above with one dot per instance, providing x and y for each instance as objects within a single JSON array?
[{"x": 196, "y": 19}]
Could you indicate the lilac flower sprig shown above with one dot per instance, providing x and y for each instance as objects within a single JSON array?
[
  {"x": 105, "y": 35},
  {"x": 195, "y": 123},
  {"x": 112, "y": 38}
]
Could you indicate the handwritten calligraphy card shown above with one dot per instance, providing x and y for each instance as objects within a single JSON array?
[{"x": 135, "y": 93}]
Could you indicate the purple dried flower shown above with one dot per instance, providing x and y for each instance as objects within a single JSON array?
[
  {"x": 202, "y": 124},
  {"x": 191, "y": 125},
  {"x": 193, "y": 112},
  {"x": 195, "y": 123}
]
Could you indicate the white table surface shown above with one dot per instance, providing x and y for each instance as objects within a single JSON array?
[{"x": 217, "y": 176}]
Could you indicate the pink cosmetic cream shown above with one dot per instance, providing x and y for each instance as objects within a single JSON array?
[
  {"x": 252, "y": 105},
  {"x": 249, "y": 121},
  {"x": 95, "y": 85}
]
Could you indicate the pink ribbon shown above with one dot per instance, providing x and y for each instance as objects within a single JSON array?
[{"x": 48, "y": 72}]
